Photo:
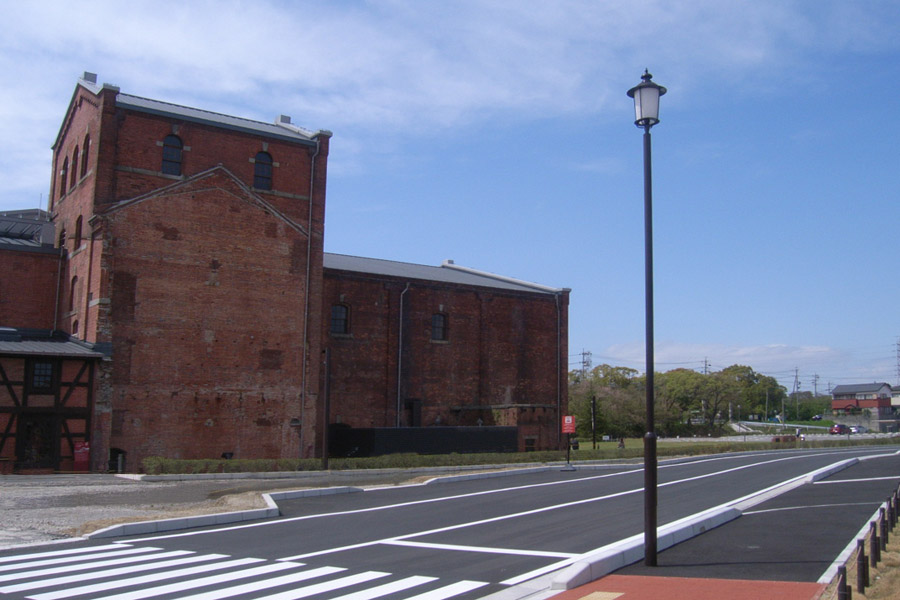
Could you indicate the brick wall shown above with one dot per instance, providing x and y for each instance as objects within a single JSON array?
[
  {"x": 499, "y": 364},
  {"x": 205, "y": 314},
  {"x": 28, "y": 288}
]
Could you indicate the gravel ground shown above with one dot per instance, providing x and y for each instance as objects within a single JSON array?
[{"x": 44, "y": 508}]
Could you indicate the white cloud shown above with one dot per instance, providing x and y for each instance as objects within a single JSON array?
[{"x": 392, "y": 69}]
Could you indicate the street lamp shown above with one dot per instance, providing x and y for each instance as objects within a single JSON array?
[{"x": 646, "y": 113}]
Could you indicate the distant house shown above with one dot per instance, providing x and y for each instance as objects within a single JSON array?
[{"x": 874, "y": 397}]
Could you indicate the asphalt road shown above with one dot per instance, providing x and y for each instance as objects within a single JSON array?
[{"x": 465, "y": 539}]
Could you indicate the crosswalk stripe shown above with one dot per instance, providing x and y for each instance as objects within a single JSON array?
[
  {"x": 68, "y": 559},
  {"x": 262, "y": 585},
  {"x": 69, "y": 552},
  {"x": 203, "y": 581},
  {"x": 110, "y": 585},
  {"x": 448, "y": 591},
  {"x": 387, "y": 588},
  {"x": 93, "y": 565},
  {"x": 327, "y": 586},
  {"x": 44, "y": 583}
]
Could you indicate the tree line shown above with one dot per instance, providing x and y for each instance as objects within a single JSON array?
[{"x": 686, "y": 402}]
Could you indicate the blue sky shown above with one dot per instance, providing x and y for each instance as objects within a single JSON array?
[{"x": 499, "y": 135}]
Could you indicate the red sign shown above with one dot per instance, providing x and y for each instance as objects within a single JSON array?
[
  {"x": 82, "y": 456},
  {"x": 568, "y": 424}
]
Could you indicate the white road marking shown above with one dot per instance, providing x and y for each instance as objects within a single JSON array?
[
  {"x": 480, "y": 549},
  {"x": 858, "y": 480},
  {"x": 769, "y": 510},
  {"x": 42, "y": 583},
  {"x": 328, "y": 586},
  {"x": 387, "y": 588},
  {"x": 60, "y": 552},
  {"x": 111, "y": 585},
  {"x": 448, "y": 591},
  {"x": 69, "y": 559},
  {"x": 99, "y": 564},
  {"x": 527, "y": 513},
  {"x": 257, "y": 586}
]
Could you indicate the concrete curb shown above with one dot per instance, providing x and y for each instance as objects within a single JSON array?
[
  {"x": 610, "y": 558},
  {"x": 163, "y": 525}
]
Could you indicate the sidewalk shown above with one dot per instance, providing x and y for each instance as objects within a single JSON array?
[{"x": 642, "y": 587}]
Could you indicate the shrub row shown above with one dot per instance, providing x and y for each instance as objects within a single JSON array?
[{"x": 157, "y": 465}]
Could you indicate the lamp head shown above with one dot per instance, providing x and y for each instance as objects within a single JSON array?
[{"x": 646, "y": 101}]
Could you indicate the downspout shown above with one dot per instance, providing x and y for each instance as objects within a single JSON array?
[
  {"x": 400, "y": 355},
  {"x": 309, "y": 230},
  {"x": 558, "y": 366},
  {"x": 62, "y": 256}
]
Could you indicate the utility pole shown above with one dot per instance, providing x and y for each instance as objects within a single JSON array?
[
  {"x": 898, "y": 361},
  {"x": 585, "y": 362},
  {"x": 796, "y": 393},
  {"x": 815, "y": 382},
  {"x": 706, "y": 365}
]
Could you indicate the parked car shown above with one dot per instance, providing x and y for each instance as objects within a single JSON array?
[
  {"x": 839, "y": 429},
  {"x": 817, "y": 417},
  {"x": 858, "y": 429}
]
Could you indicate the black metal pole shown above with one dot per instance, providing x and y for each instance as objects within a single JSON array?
[
  {"x": 650, "y": 467},
  {"x": 326, "y": 409}
]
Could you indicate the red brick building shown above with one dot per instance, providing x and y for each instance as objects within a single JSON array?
[{"x": 187, "y": 281}]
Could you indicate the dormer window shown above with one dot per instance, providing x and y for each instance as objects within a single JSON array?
[
  {"x": 172, "y": 154},
  {"x": 262, "y": 171}
]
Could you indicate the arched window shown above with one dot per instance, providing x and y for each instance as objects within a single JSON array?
[
  {"x": 439, "y": 327},
  {"x": 62, "y": 238},
  {"x": 340, "y": 319},
  {"x": 85, "y": 154},
  {"x": 63, "y": 177},
  {"x": 171, "y": 159},
  {"x": 72, "y": 293},
  {"x": 78, "y": 223},
  {"x": 74, "y": 179},
  {"x": 75, "y": 327},
  {"x": 262, "y": 171}
]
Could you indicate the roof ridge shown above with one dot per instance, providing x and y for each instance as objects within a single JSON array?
[{"x": 201, "y": 110}]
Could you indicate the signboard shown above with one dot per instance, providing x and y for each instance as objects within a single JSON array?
[
  {"x": 82, "y": 456},
  {"x": 568, "y": 424}
]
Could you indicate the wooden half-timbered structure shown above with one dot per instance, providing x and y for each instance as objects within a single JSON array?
[{"x": 46, "y": 402}]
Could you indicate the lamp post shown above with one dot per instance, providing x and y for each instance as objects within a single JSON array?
[{"x": 646, "y": 112}]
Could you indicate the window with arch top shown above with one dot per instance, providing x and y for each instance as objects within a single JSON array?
[
  {"x": 74, "y": 179},
  {"x": 262, "y": 171},
  {"x": 172, "y": 155},
  {"x": 63, "y": 177},
  {"x": 85, "y": 149}
]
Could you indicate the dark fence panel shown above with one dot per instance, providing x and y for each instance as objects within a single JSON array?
[{"x": 345, "y": 441}]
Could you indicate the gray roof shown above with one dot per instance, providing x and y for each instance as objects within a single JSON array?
[
  {"x": 26, "y": 230},
  {"x": 448, "y": 272},
  {"x": 22, "y": 342},
  {"x": 281, "y": 129},
  {"x": 272, "y": 130},
  {"x": 23, "y": 224},
  {"x": 859, "y": 388}
]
